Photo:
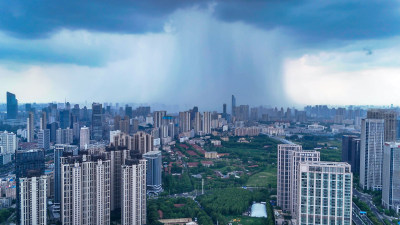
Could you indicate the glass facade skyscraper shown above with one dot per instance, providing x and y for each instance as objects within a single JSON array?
[{"x": 12, "y": 106}]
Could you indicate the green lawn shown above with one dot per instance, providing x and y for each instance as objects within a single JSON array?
[
  {"x": 246, "y": 220},
  {"x": 263, "y": 179}
]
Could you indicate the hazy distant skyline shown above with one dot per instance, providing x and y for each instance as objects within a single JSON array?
[{"x": 200, "y": 52}]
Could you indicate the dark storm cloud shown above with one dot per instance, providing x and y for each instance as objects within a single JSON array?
[
  {"x": 309, "y": 20},
  {"x": 38, "y": 19},
  {"x": 318, "y": 20}
]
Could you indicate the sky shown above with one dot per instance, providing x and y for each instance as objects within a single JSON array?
[{"x": 277, "y": 53}]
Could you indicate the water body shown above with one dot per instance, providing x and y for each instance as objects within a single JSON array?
[{"x": 258, "y": 210}]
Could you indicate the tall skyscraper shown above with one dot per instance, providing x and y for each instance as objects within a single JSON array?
[
  {"x": 44, "y": 139},
  {"x": 84, "y": 137},
  {"x": 26, "y": 163},
  {"x": 325, "y": 193},
  {"x": 207, "y": 122},
  {"x": 61, "y": 150},
  {"x": 153, "y": 174},
  {"x": 65, "y": 119},
  {"x": 128, "y": 111},
  {"x": 233, "y": 105},
  {"x": 355, "y": 152},
  {"x": 351, "y": 152},
  {"x": 158, "y": 117},
  {"x": 391, "y": 176},
  {"x": 289, "y": 156},
  {"x": 33, "y": 200},
  {"x": 43, "y": 120},
  {"x": 53, "y": 127},
  {"x": 97, "y": 121},
  {"x": 390, "y": 118},
  {"x": 85, "y": 190},
  {"x": 346, "y": 147},
  {"x": 30, "y": 127},
  {"x": 371, "y": 153},
  {"x": 224, "y": 113},
  {"x": 12, "y": 106},
  {"x": 133, "y": 207}
]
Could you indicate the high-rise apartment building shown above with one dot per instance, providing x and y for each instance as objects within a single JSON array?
[
  {"x": 207, "y": 122},
  {"x": 297, "y": 157},
  {"x": 117, "y": 157},
  {"x": 30, "y": 127},
  {"x": 371, "y": 153},
  {"x": 143, "y": 142},
  {"x": 64, "y": 136},
  {"x": 12, "y": 106},
  {"x": 8, "y": 143},
  {"x": 84, "y": 137},
  {"x": 184, "y": 121},
  {"x": 133, "y": 206},
  {"x": 285, "y": 154},
  {"x": 27, "y": 162},
  {"x": 197, "y": 123},
  {"x": 33, "y": 200},
  {"x": 124, "y": 125},
  {"x": 390, "y": 118},
  {"x": 391, "y": 176},
  {"x": 61, "y": 150},
  {"x": 97, "y": 121},
  {"x": 85, "y": 193},
  {"x": 324, "y": 193},
  {"x": 44, "y": 139},
  {"x": 242, "y": 113},
  {"x": 289, "y": 156},
  {"x": 158, "y": 118},
  {"x": 153, "y": 174}
]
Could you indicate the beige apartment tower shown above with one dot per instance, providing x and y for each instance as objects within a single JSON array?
[
  {"x": 133, "y": 208},
  {"x": 289, "y": 156},
  {"x": 33, "y": 200},
  {"x": 85, "y": 190}
]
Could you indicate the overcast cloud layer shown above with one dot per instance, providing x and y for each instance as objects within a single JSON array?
[{"x": 197, "y": 52}]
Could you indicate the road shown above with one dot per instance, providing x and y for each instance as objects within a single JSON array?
[
  {"x": 359, "y": 219},
  {"x": 368, "y": 199}
]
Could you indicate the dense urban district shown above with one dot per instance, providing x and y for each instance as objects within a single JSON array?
[{"x": 126, "y": 164}]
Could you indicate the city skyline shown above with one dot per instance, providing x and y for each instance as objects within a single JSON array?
[{"x": 201, "y": 51}]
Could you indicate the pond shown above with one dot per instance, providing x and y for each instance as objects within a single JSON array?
[{"x": 258, "y": 210}]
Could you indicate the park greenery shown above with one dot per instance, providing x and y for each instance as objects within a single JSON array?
[
  {"x": 221, "y": 205},
  {"x": 5, "y": 214},
  {"x": 248, "y": 164},
  {"x": 329, "y": 146}
]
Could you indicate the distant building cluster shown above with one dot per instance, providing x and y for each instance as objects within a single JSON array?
[{"x": 78, "y": 165}]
